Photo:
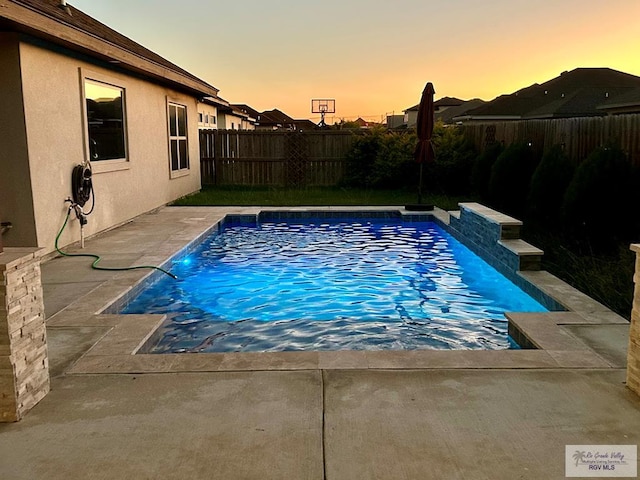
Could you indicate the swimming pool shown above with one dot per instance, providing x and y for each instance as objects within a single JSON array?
[{"x": 331, "y": 284}]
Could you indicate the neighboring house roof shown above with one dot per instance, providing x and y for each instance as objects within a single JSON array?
[
  {"x": 253, "y": 113},
  {"x": 450, "y": 113},
  {"x": 577, "y": 93},
  {"x": 627, "y": 103},
  {"x": 305, "y": 124},
  {"x": 276, "y": 116},
  {"x": 447, "y": 102},
  {"x": 65, "y": 25},
  {"x": 274, "y": 119},
  {"x": 278, "y": 119},
  {"x": 440, "y": 103}
]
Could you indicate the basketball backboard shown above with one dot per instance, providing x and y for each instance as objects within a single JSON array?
[{"x": 323, "y": 105}]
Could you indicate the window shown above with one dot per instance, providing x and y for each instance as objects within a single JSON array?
[
  {"x": 200, "y": 117},
  {"x": 214, "y": 119},
  {"x": 206, "y": 119},
  {"x": 178, "y": 148},
  {"x": 105, "y": 120}
]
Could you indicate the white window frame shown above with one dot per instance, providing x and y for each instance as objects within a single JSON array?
[{"x": 174, "y": 135}]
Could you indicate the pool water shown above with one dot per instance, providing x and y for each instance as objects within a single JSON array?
[{"x": 341, "y": 284}]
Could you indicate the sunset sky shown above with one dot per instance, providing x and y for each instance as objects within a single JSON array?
[{"x": 375, "y": 56}]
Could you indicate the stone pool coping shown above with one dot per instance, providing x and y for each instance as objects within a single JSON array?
[{"x": 559, "y": 344}]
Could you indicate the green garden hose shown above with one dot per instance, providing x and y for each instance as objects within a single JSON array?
[{"x": 94, "y": 265}]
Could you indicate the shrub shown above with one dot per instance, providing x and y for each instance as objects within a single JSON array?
[
  {"x": 598, "y": 203},
  {"x": 394, "y": 165},
  {"x": 510, "y": 178},
  {"x": 360, "y": 159},
  {"x": 481, "y": 170},
  {"x": 381, "y": 159},
  {"x": 450, "y": 173},
  {"x": 548, "y": 186}
]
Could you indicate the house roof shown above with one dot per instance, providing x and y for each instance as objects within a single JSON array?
[
  {"x": 279, "y": 119},
  {"x": 65, "y": 25},
  {"x": 217, "y": 101},
  {"x": 450, "y": 113},
  {"x": 305, "y": 124},
  {"x": 442, "y": 102},
  {"x": 576, "y": 93},
  {"x": 275, "y": 116},
  {"x": 253, "y": 113},
  {"x": 628, "y": 99}
]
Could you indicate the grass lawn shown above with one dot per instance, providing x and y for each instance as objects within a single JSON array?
[
  {"x": 606, "y": 277},
  {"x": 313, "y": 196}
]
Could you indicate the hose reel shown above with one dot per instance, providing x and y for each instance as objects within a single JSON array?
[
  {"x": 81, "y": 192},
  {"x": 81, "y": 185}
]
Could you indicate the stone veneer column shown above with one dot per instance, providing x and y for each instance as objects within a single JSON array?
[
  {"x": 633, "y": 355},
  {"x": 24, "y": 366}
]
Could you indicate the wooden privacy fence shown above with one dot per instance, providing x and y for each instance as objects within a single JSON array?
[
  {"x": 578, "y": 136},
  {"x": 250, "y": 157}
]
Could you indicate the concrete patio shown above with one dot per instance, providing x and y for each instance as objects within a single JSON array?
[{"x": 306, "y": 415}]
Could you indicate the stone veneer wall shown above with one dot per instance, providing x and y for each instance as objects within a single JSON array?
[
  {"x": 24, "y": 365},
  {"x": 633, "y": 355},
  {"x": 496, "y": 237}
]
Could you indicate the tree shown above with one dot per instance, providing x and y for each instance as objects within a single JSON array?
[
  {"x": 598, "y": 204},
  {"x": 549, "y": 184},
  {"x": 481, "y": 170},
  {"x": 450, "y": 173},
  {"x": 510, "y": 178}
]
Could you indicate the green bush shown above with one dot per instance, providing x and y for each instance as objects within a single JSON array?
[
  {"x": 360, "y": 159},
  {"x": 450, "y": 173},
  {"x": 548, "y": 186},
  {"x": 598, "y": 205},
  {"x": 510, "y": 178},
  {"x": 394, "y": 166},
  {"x": 382, "y": 159},
  {"x": 481, "y": 170}
]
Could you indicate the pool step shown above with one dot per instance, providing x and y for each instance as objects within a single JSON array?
[
  {"x": 495, "y": 236},
  {"x": 530, "y": 257}
]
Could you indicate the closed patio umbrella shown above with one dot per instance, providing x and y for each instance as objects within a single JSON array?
[{"x": 424, "y": 152}]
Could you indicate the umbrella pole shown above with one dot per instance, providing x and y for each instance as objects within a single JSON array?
[{"x": 420, "y": 185}]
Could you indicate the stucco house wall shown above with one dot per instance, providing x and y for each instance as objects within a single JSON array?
[
  {"x": 209, "y": 112},
  {"x": 43, "y": 132},
  {"x": 224, "y": 121},
  {"x": 247, "y": 124},
  {"x": 15, "y": 184}
]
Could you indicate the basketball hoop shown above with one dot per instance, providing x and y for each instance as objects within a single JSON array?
[{"x": 323, "y": 106}]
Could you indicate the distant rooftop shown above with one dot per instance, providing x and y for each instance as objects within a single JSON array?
[
  {"x": 577, "y": 93},
  {"x": 442, "y": 102}
]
